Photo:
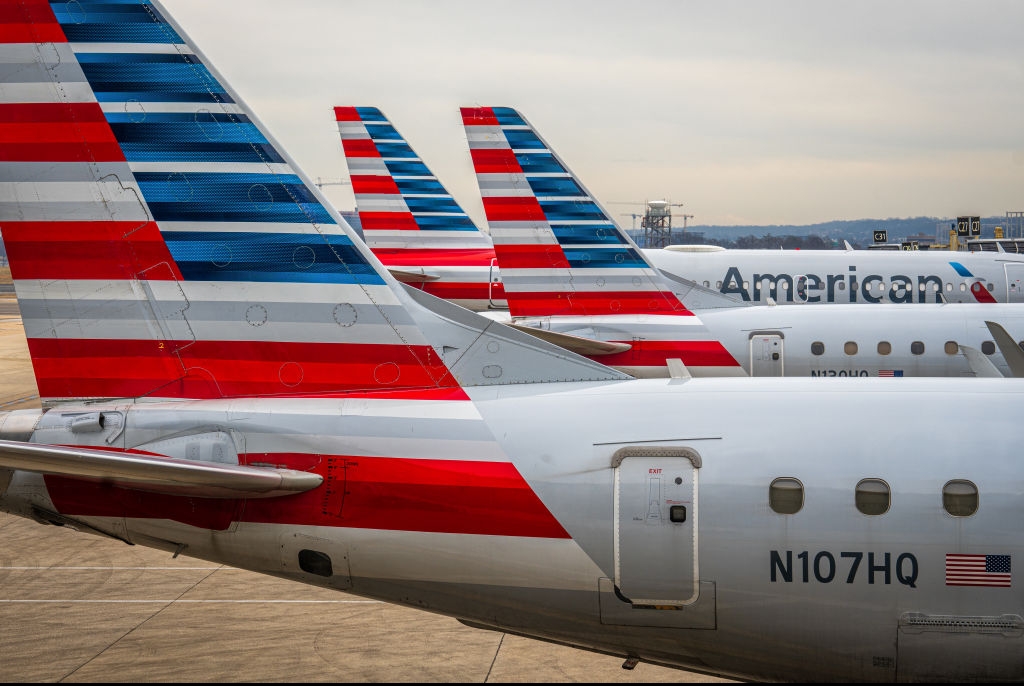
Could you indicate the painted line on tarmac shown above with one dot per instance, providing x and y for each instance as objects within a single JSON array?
[
  {"x": 196, "y": 602},
  {"x": 56, "y": 568},
  {"x": 19, "y": 400}
]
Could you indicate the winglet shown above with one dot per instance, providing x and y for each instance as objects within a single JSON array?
[
  {"x": 979, "y": 363},
  {"x": 1012, "y": 353}
]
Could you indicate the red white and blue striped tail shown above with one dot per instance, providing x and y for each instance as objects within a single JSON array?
[
  {"x": 162, "y": 244},
  {"x": 564, "y": 259},
  {"x": 560, "y": 253},
  {"x": 410, "y": 221}
]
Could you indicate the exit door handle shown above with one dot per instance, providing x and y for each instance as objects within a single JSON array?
[{"x": 677, "y": 514}]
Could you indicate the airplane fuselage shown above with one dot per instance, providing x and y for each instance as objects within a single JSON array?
[
  {"x": 651, "y": 534},
  {"x": 850, "y": 276},
  {"x": 840, "y": 341}
]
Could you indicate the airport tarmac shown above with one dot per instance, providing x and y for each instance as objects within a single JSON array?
[{"x": 78, "y": 607}]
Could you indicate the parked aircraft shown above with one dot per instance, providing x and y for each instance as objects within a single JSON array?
[
  {"x": 849, "y": 276},
  {"x": 410, "y": 221},
  {"x": 229, "y": 374},
  {"x": 568, "y": 269}
]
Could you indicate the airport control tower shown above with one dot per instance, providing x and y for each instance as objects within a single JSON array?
[{"x": 657, "y": 223}]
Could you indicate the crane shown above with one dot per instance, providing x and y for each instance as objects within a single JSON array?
[{"x": 634, "y": 215}]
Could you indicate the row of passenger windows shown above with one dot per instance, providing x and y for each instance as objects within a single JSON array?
[
  {"x": 841, "y": 285},
  {"x": 916, "y": 347},
  {"x": 873, "y": 497}
]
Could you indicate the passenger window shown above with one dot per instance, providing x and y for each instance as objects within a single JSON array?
[
  {"x": 949, "y": 287},
  {"x": 917, "y": 348},
  {"x": 718, "y": 285},
  {"x": 991, "y": 286},
  {"x": 872, "y": 497},
  {"x": 786, "y": 496},
  {"x": 884, "y": 347},
  {"x": 1020, "y": 344},
  {"x": 746, "y": 285},
  {"x": 951, "y": 348},
  {"x": 963, "y": 287},
  {"x": 881, "y": 287},
  {"x": 988, "y": 347},
  {"x": 707, "y": 284},
  {"x": 850, "y": 348},
  {"x": 818, "y": 348},
  {"x": 960, "y": 498},
  {"x": 842, "y": 285}
]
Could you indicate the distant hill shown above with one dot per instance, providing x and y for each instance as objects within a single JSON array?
[{"x": 856, "y": 231}]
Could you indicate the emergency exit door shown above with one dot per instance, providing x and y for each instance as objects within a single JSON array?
[
  {"x": 656, "y": 525},
  {"x": 766, "y": 355}
]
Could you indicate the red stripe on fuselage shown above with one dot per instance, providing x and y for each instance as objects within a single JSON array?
[
  {"x": 384, "y": 221},
  {"x": 495, "y": 161},
  {"x": 435, "y": 257},
  {"x": 29, "y": 21},
  {"x": 593, "y": 303},
  {"x": 394, "y": 494},
  {"x": 87, "y": 250},
  {"x": 374, "y": 185},
  {"x": 56, "y": 132},
  {"x": 131, "y": 368},
  {"x": 359, "y": 147},
  {"x": 980, "y": 293},
  {"x": 655, "y": 354},
  {"x": 525, "y": 208},
  {"x": 527, "y": 256},
  {"x": 461, "y": 290},
  {"x": 479, "y": 116},
  {"x": 346, "y": 114}
]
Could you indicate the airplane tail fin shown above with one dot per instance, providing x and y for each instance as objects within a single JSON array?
[
  {"x": 560, "y": 252},
  {"x": 162, "y": 244},
  {"x": 409, "y": 220}
]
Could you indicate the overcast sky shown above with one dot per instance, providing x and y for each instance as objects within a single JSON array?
[{"x": 747, "y": 112}]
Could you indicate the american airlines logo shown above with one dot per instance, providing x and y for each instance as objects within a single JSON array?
[{"x": 833, "y": 288}]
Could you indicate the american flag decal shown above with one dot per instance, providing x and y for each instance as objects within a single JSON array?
[
  {"x": 890, "y": 372},
  {"x": 977, "y": 570}
]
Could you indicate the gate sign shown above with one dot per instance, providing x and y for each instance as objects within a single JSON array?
[
  {"x": 881, "y": 236},
  {"x": 968, "y": 226}
]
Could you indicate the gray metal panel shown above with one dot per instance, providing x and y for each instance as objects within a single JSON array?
[
  {"x": 698, "y": 615},
  {"x": 482, "y": 352},
  {"x": 157, "y": 474}
]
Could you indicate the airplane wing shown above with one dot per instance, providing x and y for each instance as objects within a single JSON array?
[
  {"x": 576, "y": 344},
  {"x": 154, "y": 473},
  {"x": 1012, "y": 352},
  {"x": 979, "y": 363},
  {"x": 413, "y": 277}
]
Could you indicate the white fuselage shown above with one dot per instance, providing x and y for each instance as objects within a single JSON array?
[
  {"x": 843, "y": 340},
  {"x": 849, "y": 276},
  {"x": 501, "y": 510}
]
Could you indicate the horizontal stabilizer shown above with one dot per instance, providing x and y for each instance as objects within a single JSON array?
[
  {"x": 413, "y": 277},
  {"x": 1012, "y": 352},
  {"x": 979, "y": 363},
  {"x": 156, "y": 474},
  {"x": 576, "y": 344}
]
